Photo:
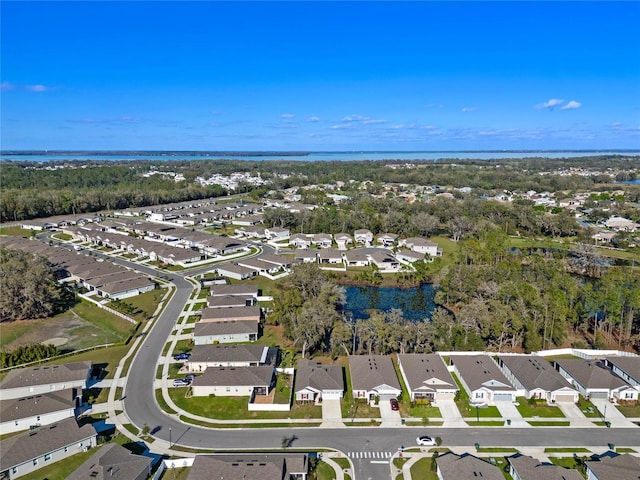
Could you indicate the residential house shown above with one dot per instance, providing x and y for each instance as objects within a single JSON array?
[
  {"x": 383, "y": 259},
  {"x": 426, "y": 377},
  {"x": 537, "y": 378},
  {"x": 363, "y": 236},
  {"x": 450, "y": 466},
  {"x": 259, "y": 265},
  {"x": 409, "y": 256},
  {"x": 619, "y": 467},
  {"x": 29, "y": 451},
  {"x": 620, "y": 224},
  {"x": 387, "y": 239},
  {"x": 277, "y": 234},
  {"x": 343, "y": 240},
  {"x": 594, "y": 380},
  {"x": 322, "y": 240},
  {"x": 627, "y": 368},
  {"x": 523, "y": 467},
  {"x": 306, "y": 256},
  {"x": 315, "y": 381},
  {"x": 421, "y": 245},
  {"x": 113, "y": 462},
  {"x": 250, "y": 466},
  {"x": 373, "y": 376},
  {"x": 226, "y": 301},
  {"x": 330, "y": 256},
  {"x": 234, "y": 381},
  {"x": 243, "y": 290},
  {"x": 281, "y": 261},
  {"x": 250, "y": 355},
  {"x": 237, "y": 272},
  {"x": 356, "y": 258},
  {"x": 225, "y": 331},
  {"x": 300, "y": 240},
  {"x": 18, "y": 414},
  {"x": 483, "y": 380},
  {"x": 29, "y": 381},
  {"x": 253, "y": 313}
]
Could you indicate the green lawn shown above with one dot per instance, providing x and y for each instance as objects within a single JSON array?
[
  {"x": 235, "y": 408},
  {"x": 324, "y": 471},
  {"x": 176, "y": 474},
  {"x": 549, "y": 424},
  {"x": 355, "y": 408},
  {"x": 421, "y": 470},
  {"x": 15, "y": 232},
  {"x": 146, "y": 303},
  {"x": 538, "y": 410},
  {"x": 629, "y": 411},
  {"x": 588, "y": 408}
]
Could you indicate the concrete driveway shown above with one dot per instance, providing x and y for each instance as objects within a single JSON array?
[
  {"x": 509, "y": 412},
  {"x": 450, "y": 414},
  {"x": 611, "y": 413},
  {"x": 390, "y": 418},
  {"x": 331, "y": 413},
  {"x": 574, "y": 415}
]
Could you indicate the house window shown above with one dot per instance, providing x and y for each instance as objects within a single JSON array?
[
  {"x": 35, "y": 462},
  {"x": 47, "y": 457},
  {"x": 228, "y": 389},
  {"x": 16, "y": 422},
  {"x": 14, "y": 470},
  {"x": 38, "y": 418},
  {"x": 66, "y": 449},
  {"x": 628, "y": 395},
  {"x": 479, "y": 395}
]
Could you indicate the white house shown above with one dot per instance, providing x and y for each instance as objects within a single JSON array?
[
  {"x": 227, "y": 331},
  {"x": 373, "y": 376},
  {"x": 315, "y": 381},
  {"x": 482, "y": 379},
  {"x": 25, "y": 382},
  {"x": 277, "y": 234},
  {"x": 18, "y": 414},
  {"x": 363, "y": 236},
  {"x": 427, "y": 377},
  {"x": 421, "y": 245},
  {"x": 234, "y": 381}
]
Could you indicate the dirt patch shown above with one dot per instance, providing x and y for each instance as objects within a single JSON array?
[
  {"x": 43, "y": 330},
  {"x": 56, "y": 341}
]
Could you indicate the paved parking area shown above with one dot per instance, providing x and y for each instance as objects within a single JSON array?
[
  {"x": 508, "y": 411},
  {"x": 331, "y": 413},
  {"x": 390, "y": 418},
  {"x": 611, "y": 413},
  {"x": 450, "y": 414}
]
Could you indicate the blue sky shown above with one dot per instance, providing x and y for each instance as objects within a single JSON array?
[{"x": 327, "y": 75}]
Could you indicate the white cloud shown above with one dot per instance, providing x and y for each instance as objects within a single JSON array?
[
  {"x": 287, "y": 115},
  {"x": 550, "y": 104},
  {"x": 468, "y": 109},
  {"x": 38, "y": 88},
  {"x": 313, "y": 119},
  {"x": 361, "y": 119},
  {"x": 6, "y": 86},
  {"x": 354, "y": 118},
  {"x": 571, "y": 105}
]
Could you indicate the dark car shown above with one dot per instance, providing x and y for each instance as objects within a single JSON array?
[
  {"x": 394, "y": 404},
  {"x": 189, "y": 378},
  {"x": 182, "y": 356}
]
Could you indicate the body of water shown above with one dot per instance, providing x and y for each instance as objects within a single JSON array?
[
  {"x": 309, "y": 157},
  {"x": 416, "y": 303}
]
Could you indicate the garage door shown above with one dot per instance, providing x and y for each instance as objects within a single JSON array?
[
  {"x": 604, "y": 395},
  {"x": 565, "y": 398},
  {"x": 446, "y": 396},
  {"x": 502, "y": 397}
]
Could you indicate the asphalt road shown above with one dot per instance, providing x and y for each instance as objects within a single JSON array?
[{"x": 142, "y": 409}]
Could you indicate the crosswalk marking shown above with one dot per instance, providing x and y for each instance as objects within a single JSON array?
[{"x": 358, "y": 455}]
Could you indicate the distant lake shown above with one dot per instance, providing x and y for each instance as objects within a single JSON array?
[
  {"x": 416, "y": 303},
  {"x": 434, "y": 155}
]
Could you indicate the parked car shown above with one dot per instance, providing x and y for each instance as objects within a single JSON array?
[
  {"x": 426, "y": 441},
  {"x": 182, "y": 356},
  {"x": 394, "y": 404},
  {"x": 180, "y": 382},
  {"x": 189, "y": 378}
]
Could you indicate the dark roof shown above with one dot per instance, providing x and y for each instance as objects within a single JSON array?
[
  {"x": 113, "y": 462},
  {"x": 621, "y": 467},
  {"x": 233, "y": 353},
  {"x": 230, "y": 313},
  {"x": 234, "y": 290},
  {"x": 235, "y": 376},
  {"x": 318, "y": 376},
  {"x": 530, "y": 468},
  {"x": 34, "y": 405},
  {"x": 45, "y": 375},
  {"x": 226, "y": 327},
  {"x": 591, "y": 373},
  {"x": 629, "y": 365},
  {"x": 371, "y": 371},
  {"x": 224, "y": 301},
  {"x": 466, "y": 466},
  {"x": 534, "y": 372},
  {"x": 248, "y": 466},
  {"x": 426, "y": 372},
  {"x": 479, "y": 371},
  {"x": 35, "y": 443}
]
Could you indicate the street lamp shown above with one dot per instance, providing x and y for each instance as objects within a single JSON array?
[{"x": 169, "y": 437}]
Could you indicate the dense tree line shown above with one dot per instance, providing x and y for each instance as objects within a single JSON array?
[
  {"x": 27, "y": 353},
  {"x": 28, "y": 287}
]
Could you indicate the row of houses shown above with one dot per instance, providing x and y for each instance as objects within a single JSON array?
[
  {"x": 265, "y": 264},
  {"x": 106, "y": 279}
]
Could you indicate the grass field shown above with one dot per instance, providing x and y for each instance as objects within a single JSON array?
[
  {"x": 538, "y": 410},
  {"x": 629, "y": 411}
]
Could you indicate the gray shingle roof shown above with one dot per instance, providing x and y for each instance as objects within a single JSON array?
[
  {"x": 466, "y": 466},
  {"x": 318, "y": 376},
  {"x": 45, "y": 375},
  {"x": 479, "y": 371},
  {"x": 534, "y": 372},
  {"x": 423, "y": 370},
  {"x": 232, "y": 353},
  {"x": 590, "y": 373},
  {"x": 226, "y": 327},
  {"x": 629, "y": 365},
  {"x": 34, "y": 405},
  {"x": 234, "y": 376},
  {"x": 622, "y": 467},
  {"x": 530, "y": 468},
  {"x": 35, "y": 443},
  {"x": 247, "y": 466},
  {"x": 231, "y": 313},
  {"x": 234, "y": 290},
  {"x": 113, "y": 462},
  {"x": 370, "y": 371}
]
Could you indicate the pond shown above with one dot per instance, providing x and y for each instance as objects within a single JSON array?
[{"x": 416, "y": 303}]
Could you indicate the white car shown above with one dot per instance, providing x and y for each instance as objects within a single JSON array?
[
  {"x": 426, "y": 441},
  {"x": 179, "y": 382}
]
